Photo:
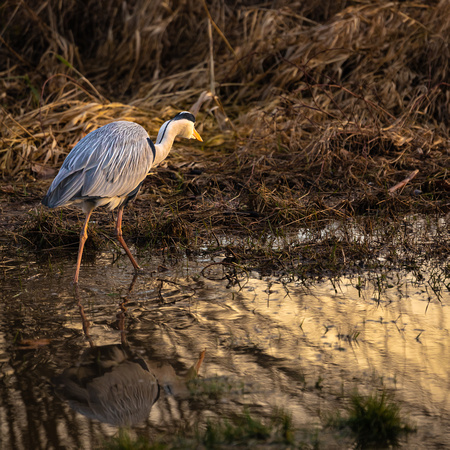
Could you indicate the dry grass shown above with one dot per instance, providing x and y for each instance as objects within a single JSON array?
[{"x": 315, "y": 111}]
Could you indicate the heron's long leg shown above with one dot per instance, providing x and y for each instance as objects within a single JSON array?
[
  {"x": 120, "y": 238},
  {"x": 83, "y": 237}
]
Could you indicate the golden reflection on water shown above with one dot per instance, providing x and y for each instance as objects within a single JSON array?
[
  {"x": 340, "y": 337},
  {"x": 268, "y": 344},
  {"x": 403, "y": 338}
]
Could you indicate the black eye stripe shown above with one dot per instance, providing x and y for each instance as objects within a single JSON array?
[{"x": 164, "y": 132}]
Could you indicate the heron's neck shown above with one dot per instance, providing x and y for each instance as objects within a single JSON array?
[
  {"x": 164, "y": 142},
  {"x": 162, "y": 150}
]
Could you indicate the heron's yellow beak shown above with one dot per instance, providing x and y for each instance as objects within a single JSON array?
[{"x": 196, "y": 135}]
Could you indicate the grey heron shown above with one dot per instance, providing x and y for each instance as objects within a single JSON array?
[{"x": 108, "y": 166}]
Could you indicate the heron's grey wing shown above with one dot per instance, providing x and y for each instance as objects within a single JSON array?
[{"x": 109, "y": 162}]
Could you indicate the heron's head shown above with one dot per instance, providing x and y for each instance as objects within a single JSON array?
[
  {"x": 183, "y": 125},
  {"x": 188, "y": 131}
]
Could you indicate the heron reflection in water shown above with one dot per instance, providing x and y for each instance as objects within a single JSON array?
[{"x": 111, "y": 383}]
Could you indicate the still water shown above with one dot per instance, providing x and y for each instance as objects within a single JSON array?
[{"x": 257, "y": 342}]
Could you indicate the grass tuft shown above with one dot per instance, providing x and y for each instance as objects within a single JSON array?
[
  {"x": 52, "y": 229},
  {"x": 375, "y": 420},
  {"x": 239, "y": 431},
  {"x": 125, "y": 440}
]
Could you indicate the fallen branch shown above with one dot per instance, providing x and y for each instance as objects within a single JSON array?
[{"x": 404, "y": 182}]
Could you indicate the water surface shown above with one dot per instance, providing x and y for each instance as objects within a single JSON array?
[{"x": 269, "y": 343}]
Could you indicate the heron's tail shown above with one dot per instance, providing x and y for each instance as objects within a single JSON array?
[
  {"x": 64, "y": 189},
  {"x": 46, "y": 201}
]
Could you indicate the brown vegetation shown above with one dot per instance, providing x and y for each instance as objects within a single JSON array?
[{"x": 308, "y": 110}]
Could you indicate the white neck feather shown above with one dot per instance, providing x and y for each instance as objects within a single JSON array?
[{"x": 167, "y": 134}]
